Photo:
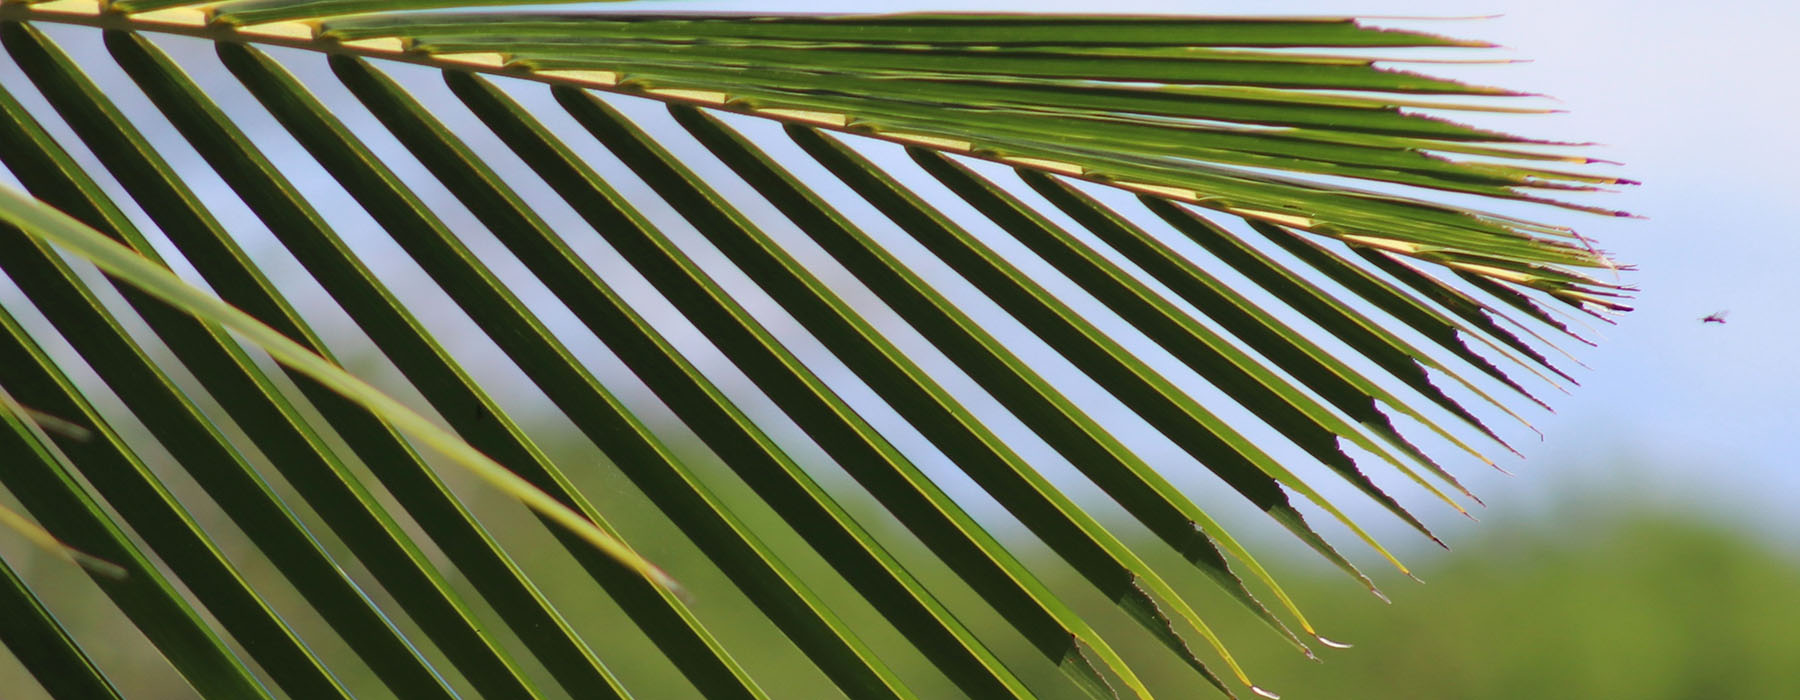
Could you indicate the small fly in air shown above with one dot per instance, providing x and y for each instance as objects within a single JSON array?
[{"x": 1714, "y": 317}]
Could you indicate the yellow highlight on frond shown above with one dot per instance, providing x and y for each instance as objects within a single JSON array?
[
  {"x": 386, "y": 44},
  {"x": 1276, "y": 217},
  {"x": 1490, "y": 271},
  {"x": 67, "y": 7},
  {"x": 808, "y": 116},
  {"x": 1385, "y": 244},
  {"x": 1180, "y": 193},
  {"x": 707, "y": 96},
  {"x": 182, "y": 16},
  {"x": 479, "y": 58},
  {"x": 281, "y": 30},
  {"x": 932, "y": 141},
  {"x": 591, "y": 77}
]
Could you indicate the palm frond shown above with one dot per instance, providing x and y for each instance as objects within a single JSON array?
[{"x": 1296, "y": 243}]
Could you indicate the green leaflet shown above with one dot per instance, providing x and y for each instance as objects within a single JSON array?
[
  {"x": 41, "y": 644},
  {"x": 33, "y": 634},
  {"x": 603, "y": 417},
  {"x": 914, "y": 499},
  {"x": 296, "y": 450},
  {"x": 1290, "y": 411},
  {"x": 1121, "y": 474},
  {"x": 49, "y": 224},
  {"x": 40, "y": 425},
  {"x": 1179, "y": 417},
  {"x": 177, "y": 421},
  {"x": 810, "y": 74},
  {"x": 1347, "y": 390},
  {"x": 51, "y": 493},
  {"x": 947, "y": 29},
  {"x": 1116, "y": 124},
  {"x": 1428, "y": 322},
  {"x": 1388, "y": 351},
  {"x": 1095, "y": 55},
  {"x": 809, "y": 509},
  {"x": 399, "y": 468},
  {"x": 1256, "y": 119},
  {"x": 1080, "y": 540}
]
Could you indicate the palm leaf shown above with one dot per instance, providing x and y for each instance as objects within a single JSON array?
[{"x": 1295, "y": 244}]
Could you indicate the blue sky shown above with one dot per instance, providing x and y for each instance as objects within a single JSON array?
[
  {"x": 1696, "y": 101},
  {"x": 1695, "y": 104}
]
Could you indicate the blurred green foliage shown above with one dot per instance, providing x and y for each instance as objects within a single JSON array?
[
  {"x": 1602, "y": 595},
  {"x": 1643, "y": 602},
  {"x": 1636, "y": 605}
]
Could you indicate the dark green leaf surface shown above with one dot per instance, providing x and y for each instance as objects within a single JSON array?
[
  {"x": 1388, "y": 351},
  {"x": 180, "y": 426},
  {"x": 36, "y": 638},
  {"x": 1347, "y": 390},
  {"x": 1089, "y": 447},
  {"x": 1291, "y": 412},
  {"x": 1081, "y": 541},
  {"x": 55, "y": 497},
  {"x": 908, "y": 493},
  {"x": 394, "y": 559},
  {"x": 1297, "y": 129},
  {"x": 709, "y": 523},
  {"x": 812, "y": 512},
  {"x": 759, "y": 63},
  {"x": 1233, "y": 458}
]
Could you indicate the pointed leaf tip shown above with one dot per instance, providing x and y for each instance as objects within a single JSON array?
[
  {"x": 59, "y": 426},
  {"x": 99, "y": 567}
]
